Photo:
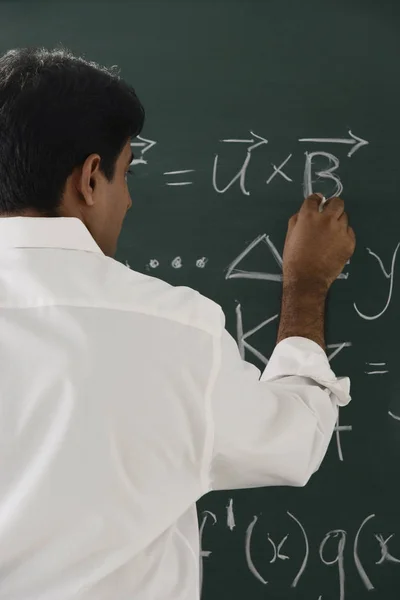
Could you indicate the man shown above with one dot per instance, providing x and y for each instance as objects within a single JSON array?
[{"x": 123, "y": 400}]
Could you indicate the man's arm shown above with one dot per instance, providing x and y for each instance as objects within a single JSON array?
[
  {"x": 317, "y": 246},
  {"x": 303, "y": 312},
  {"x": 275, "y": 430}
]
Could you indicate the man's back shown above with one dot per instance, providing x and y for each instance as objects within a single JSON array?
[
  {"x": 95, "y": 366},
  {"x": 122, "y": 402}
]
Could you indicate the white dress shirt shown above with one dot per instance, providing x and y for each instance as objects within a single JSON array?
[{"x": 123, "y": 400}]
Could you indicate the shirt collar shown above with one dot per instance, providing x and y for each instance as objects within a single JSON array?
[{"x": 68, "y": 233}]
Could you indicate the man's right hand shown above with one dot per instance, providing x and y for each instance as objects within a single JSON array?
[{"x": 318, "y": 244}]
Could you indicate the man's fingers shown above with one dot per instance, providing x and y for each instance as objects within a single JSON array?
[
  {"x": 312, "y": 203},
  {"x": 293, "y": 221},
  {"x": 344, "y": 219},
  {"x": 334, "y": 206},
  {"x": 352, "y": 234}
]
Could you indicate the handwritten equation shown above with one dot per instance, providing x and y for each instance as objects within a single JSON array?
[
  {"x": 239, "y": 267},
  {"x": 335, "y": 548},
  {"x": 184, "y": 177}
]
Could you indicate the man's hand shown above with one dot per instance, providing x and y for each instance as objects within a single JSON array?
[{"x": 318, "y": 245}]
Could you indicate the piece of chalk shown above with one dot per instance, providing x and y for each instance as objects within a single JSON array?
[{"x": 322, "y": 204}]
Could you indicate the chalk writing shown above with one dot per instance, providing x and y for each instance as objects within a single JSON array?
[
  {"x": 201, "y": 262},
  {"x": 387, "y": 275},
  {"x": 241, "y": 175},
  {"x": 306, "y": 551},
  {"x": 361, "y": 571},
  {"x": 328, "y": 173},
  {"x": 338, "y": 558},
  {"x": 338, "y": 429},
  {"x": 177, "y": 263},
  {"x": 230, "y": 517},
  {"x": 277, "y": 549},
  {"x": 252, "y": 144},
  {"x": 144, "y": 145},
  {"x": 385, "y": 554},
  {"x": 247, "y": 549},
  {"x": 233, "y": 272},
  {"x": 204, "y": 553},
  {"x": 278, "y": 170},
  {"x": 331, "y": 549},
  {"x": 379, "y": 371},
  {"x": 337, "y": 348},
  {"x": 354, "y": 140},
  {"x": 177, "y": 183},
  {"x": 242, "y": 337},
  {"x": 391, "y": 414}
]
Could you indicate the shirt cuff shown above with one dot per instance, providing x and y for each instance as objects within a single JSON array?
[{"x": 304, "y": 358}]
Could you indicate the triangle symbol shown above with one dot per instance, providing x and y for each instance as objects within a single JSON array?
[{"x": 236, "y": 269}]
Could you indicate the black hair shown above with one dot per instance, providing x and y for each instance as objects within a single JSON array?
[{"x": 55, "y": 110}]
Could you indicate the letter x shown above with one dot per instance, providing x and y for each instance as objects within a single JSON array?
[{"x": 279, "y": 170}]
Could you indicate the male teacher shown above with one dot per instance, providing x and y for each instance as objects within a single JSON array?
[{"x": 123, "y": 399}]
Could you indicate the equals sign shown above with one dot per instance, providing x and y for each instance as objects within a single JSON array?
[
  {"x": 179, "y": 173},
  {"x": 379, "y": 371}
]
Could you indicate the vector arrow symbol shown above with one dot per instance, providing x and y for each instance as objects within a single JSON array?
[
  {"x": 144, "y": 145},
  {"x": 354, "y": 140}
]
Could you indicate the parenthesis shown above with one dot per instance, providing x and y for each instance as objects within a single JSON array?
[
  {"x": 361, "y": 571},
  {"x": 249, "y": 533},
  {"x": 304, "y": 563}
]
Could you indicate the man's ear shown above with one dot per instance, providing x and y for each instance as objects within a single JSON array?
[{"x": 87, "y": 178}]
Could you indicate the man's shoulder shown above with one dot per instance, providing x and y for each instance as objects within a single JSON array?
[{"x": 137, "y": 292}]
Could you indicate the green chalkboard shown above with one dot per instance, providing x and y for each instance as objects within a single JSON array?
[{"x": 310, "y": 91}]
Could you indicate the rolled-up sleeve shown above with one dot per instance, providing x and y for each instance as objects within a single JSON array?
[{"x": 273, "y": 428}]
